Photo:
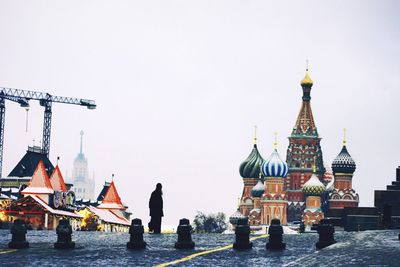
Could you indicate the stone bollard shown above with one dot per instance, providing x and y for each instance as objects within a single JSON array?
[
  {"x": 184, "y": 235},
  {"x": 64, "y": 233},
  {"x": 275, "y": 232},
  {"x": 302, "y": 228},
  {"x": 18, "y": 239},
  {"x": 242, "y": 232},
  {"x": 136, "y": 230},
  {"x": 325, "y": 231}
]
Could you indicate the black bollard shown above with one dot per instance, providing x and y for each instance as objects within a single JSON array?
[
  {"x": 325, "y": 231},
  {"x": 136, "y": 230},
  {"x": 64, "y": 233},
  {"x": 302, "y": 228},
  {"x": 184, "y": 235},
  {"x": 18, "y": 239},
  {"x": 242, "y": 232},
  {"x": 275, "y": 232}
]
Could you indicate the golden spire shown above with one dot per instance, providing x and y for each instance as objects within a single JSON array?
[
  {"x": 238, "y": 206},
  {"x": 255, "y": 134},
  {"x": 344, "y": 137},
  {"x": 314, "y": 165},
  {"x": 306, "y": 80},
  {"x": 275, "y": 141}
]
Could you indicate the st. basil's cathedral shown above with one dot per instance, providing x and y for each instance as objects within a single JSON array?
[{"x": 300, "y": 189}]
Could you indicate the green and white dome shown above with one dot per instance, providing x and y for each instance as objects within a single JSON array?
[{"x": 313, "y": 187}]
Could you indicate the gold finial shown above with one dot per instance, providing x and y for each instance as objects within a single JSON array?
[
  {"x": 112, "y": 178},
  {"x": 344, "y": 137},
  {"x": 306, "y": 80},
  {"x": 238, "y": 206},
  {"x": 255, "y": 134},
  {"x": 275, "y": 140}
]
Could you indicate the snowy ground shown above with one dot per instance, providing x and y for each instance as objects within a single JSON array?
[{"x": 95, "y": 249}]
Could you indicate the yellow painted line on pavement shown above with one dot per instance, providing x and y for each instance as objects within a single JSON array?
[
  {"x": 7, "y": 251},
  {"x": 198, "y": 254},
  {"x": 105, "y": 235}
]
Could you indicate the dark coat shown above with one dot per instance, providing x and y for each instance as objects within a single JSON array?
[{"x": 156, "y": 204}]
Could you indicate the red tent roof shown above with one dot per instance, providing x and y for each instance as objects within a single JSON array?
[
  {"x": 39, "y": 183},
  {"x": 111, "y": 198},
  {"x": 57, "y": 180},
  {"x": 112, "y": 195},
  {"x": 40, "y": 177}
]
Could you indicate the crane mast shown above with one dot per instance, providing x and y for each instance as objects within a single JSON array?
[{"x": 46, "y": 100}]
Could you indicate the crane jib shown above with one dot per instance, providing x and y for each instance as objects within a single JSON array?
[{"x": 23, "y": 97}]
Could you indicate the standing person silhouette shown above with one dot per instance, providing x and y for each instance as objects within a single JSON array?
[{"x": 156, "y": 210}]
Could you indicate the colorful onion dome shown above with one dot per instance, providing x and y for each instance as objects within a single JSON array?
[
  {"x": 274, "y": 166},
  {"x": 258, "y": 189},
  {"x": 343, "y": 163},
  {"x": 313, "y": 187},
  {"x": 328, "y": 175},
  {"x": 250, "y": 168}
]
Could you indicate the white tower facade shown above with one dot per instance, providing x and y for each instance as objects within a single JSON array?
[{"x": 83, "y": 185}]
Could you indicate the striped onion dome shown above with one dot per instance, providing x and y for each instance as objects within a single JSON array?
[
  {"x": 343, "y": 163},
  {"x": 274, "y": 166},
  {"x": 258, "y": 189},
  {"x": 250, "y": 168},
  {"x": 313, "y": 187}
]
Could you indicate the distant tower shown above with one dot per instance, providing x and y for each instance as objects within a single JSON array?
[
  {"x": 249, "y": 170},
  {"x": 304, "y": 145},
  {"x": 273, "y": 203},
  {"x": 343, "y": 167},
  {"x": 313, "y": 189},
  {"x": 257, "y": 193},
  {"x": 83, "y": 185}
]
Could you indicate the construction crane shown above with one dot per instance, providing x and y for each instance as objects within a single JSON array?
[{"x": 23, "y": 97}]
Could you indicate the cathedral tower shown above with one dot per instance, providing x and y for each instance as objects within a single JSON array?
[
  {"x": 250, "y": 170},
  {"x": 343, "y": 167},
  {"x": 313, "y": 189},
  {"x": 256, "y": 193},
  {"x": 273, "y": 203},
  {"x": 304, "y": 145}
]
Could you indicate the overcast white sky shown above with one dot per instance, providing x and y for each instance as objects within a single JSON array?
[{"x": 180, "y": 85}]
